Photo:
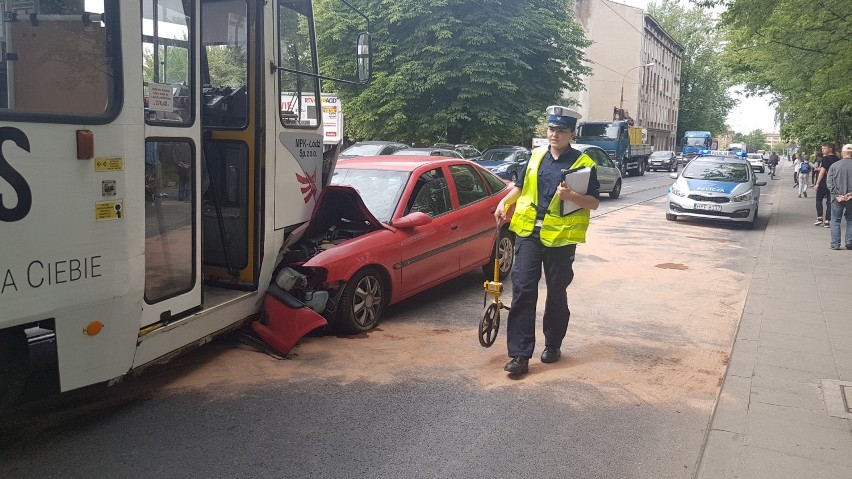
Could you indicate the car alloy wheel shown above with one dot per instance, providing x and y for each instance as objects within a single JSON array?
[
  {"x": 363, "y": 301},
  {"x": 616, "y": 190},
  {"x": 505, "y": 257}
]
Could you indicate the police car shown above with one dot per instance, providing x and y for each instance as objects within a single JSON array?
[{"x": 715, "y": 186}]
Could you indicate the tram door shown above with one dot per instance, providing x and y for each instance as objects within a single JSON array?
[{"x": 172, "y": 94}]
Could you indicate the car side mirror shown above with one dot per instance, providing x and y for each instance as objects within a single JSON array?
[
  {"x": 760, "y": 183},
  {"x": 673, "y": 175},
  {"x": 412, "y": 220}
]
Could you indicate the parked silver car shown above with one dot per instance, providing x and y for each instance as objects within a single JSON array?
[{"x": 609, "y": 175}]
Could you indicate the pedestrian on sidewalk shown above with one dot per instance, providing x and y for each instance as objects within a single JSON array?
[
  {"x": 840, "y": 186},
  {"x": 815, "y": 170},
  {"x": 828, "y": 158},
  {"x": 546, "y": 237},
  {"x": 795, "y": 171},
  {"x": 804, "y": 170}
]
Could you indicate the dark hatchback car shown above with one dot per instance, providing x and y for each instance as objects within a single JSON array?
[
  {"x": 505, "y": 161},
  {"x": 663, "y": 160},
  {"x": 372, "y": 148},
  {"x": 468, "y": 152}
]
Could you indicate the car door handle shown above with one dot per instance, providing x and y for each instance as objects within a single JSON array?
[{"x": 454, "y": 227}]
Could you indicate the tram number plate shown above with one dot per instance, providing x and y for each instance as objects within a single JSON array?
[{"x": 708, "y": 207}]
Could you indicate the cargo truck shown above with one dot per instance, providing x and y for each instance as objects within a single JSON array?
[{"x": 624, "y": 143}]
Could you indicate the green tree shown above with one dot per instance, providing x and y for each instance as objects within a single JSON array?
[
  {"x": 704, "y": 98},
  {"x": 756, "y": 140},
  {"x": 798, "y": 52},
  {"x": 478, "y": 71}
]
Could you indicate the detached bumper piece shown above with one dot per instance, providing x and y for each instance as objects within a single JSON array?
[{"x": 285, "y": 320}]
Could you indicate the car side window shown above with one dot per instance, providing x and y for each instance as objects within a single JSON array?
[
  {"x": 469, "y": 185},
  {"x": 431, "y": 194},
  {"x": 599, "y": 156}
]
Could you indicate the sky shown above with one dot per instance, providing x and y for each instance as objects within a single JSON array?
[{"x": 750, "y": 114}]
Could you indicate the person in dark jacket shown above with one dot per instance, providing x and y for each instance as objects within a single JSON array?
[
  {"x": 822, "y": 195},
  {"x": 839, "y": 182}
]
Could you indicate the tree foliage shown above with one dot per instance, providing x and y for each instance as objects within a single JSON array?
[
  {"x": 477, "y": 71},
  {"x": 756, "y": 140},
  {"x": 799, "y": 52},
  {"x": 704, "y": 98}
]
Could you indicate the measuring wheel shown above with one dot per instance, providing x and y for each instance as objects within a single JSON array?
[{"x": 489, "y": 325}]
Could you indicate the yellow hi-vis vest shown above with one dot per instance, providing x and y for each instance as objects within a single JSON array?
[{"x": 556, "y": 230}]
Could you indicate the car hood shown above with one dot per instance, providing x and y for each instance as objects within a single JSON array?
[
  {"x": 339, "y": 214},
  {"x": 712, "y": 186}
]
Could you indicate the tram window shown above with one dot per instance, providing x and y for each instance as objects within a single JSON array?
[
  {"x": 224, "y": 63},
  {"x": 297, "y": 51},
  {"x": 169, "y": 219},
  {"x": 167, "y": 62},
  {"x": 55, "y": 63}
]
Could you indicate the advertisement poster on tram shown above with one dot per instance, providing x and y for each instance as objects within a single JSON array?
[{"x": 332, "y": 114}]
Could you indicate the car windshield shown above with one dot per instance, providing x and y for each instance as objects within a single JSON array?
[
  {"x": 362, "y": 149},
  {"x": 662, "y": 154},
  {"x": 695, "y": 141},
  {"x": 717, "y": 171},
  {"x": 496, "y": 155},
  {"x": 604, "y": 130},
  {"x": 380, "y": 189},
  {"x": 755, "y": 157}
]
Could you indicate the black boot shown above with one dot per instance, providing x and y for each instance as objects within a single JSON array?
[{"x": 518, "y": 365}]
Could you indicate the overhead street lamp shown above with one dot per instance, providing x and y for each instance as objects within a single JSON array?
[{"x": 621, "y": 103}]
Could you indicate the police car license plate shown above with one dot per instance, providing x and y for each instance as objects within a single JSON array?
[{"x": 699, "y": 206}]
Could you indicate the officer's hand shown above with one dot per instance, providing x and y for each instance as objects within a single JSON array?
[
  {"x": 564, "y": 192},
  {"x": 500, "y": 211}
]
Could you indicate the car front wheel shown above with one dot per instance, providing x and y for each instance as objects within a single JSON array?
[
  {"x": 671, "y": 217},
  {"x": 363, "y": 301},
  {"x": 616, "y": 190}
]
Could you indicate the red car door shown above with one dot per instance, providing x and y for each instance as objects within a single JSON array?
[
  {"x": 475, "y": 214},
  {"x": 430, "y": 253}
]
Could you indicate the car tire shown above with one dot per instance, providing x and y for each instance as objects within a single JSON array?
[
  {"x": 14, "y": 365},
  {"x": 671, "y": 217},
  {"x": 640, "y": 170},
  {"x": 505, "y": 251},
  {"x": 616, "y": 190},
  {"x": 514, "y": 177},
  {"x": 750, "y": 224},
  {"x": 363, "y": 300},
  {"x": 670, "y": 168}
]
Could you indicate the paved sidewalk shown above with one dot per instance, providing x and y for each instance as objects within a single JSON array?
[{"x": 781, "y": 411}]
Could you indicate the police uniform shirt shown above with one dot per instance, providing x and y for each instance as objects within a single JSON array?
[{"x": 550, "y": 175}]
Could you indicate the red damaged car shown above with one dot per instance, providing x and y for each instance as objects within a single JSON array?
[{"x": 389, "y": 227}]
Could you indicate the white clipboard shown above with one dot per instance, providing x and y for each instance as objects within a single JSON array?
[{"x": 578, "y": 180}]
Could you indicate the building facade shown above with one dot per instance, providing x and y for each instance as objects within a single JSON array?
[{"x": 635, "y": 70}]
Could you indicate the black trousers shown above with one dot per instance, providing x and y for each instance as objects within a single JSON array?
[
  {"x": 558, "y": 263},
  {"x": 822, "y": 195}
]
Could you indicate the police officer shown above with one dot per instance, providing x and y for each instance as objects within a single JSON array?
[{"x": 548, "y": 236}]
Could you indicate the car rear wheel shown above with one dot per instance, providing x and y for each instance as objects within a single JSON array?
[
  {"x": 671, "y": 217},
  {"x": 505, "y": 254},
  {"x": 616, "y": 190},
  {"x": 14, "y": 365},
  {"x": 363, "y": 301}
]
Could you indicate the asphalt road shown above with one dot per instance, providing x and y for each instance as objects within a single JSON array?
[{"x": 654, "y": 306}]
